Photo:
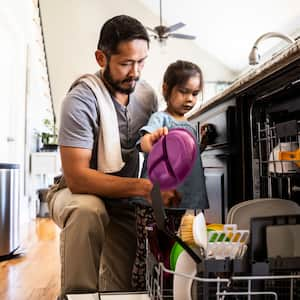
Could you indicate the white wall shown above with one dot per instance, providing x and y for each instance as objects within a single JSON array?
[{"x": 71, "y": 30}]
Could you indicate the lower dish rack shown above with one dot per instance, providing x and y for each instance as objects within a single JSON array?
[
  {"x": 248, "y": 277},
  {"x": 264, "y": 269},
  {"x": 222, "y": 285}
]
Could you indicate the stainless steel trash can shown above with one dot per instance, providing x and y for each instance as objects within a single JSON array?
[{"x": 9, "y": 208}]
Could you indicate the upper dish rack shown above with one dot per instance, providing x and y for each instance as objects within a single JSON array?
[{"x": 278, "y": 151}]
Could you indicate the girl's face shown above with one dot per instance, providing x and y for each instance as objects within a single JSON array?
[{"x": 183, "y": 97}]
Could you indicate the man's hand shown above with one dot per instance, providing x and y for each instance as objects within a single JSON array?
[
  {"x": 149, "y": 139},
  {"x": 171, "y": 198}
]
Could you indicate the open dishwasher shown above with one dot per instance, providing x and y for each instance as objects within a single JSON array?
[
  {"x": 253, "y": 275},
  {"x": 266, "y": 265}
]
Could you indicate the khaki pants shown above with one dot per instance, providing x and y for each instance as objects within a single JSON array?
[{"x": 89, "y": 229}]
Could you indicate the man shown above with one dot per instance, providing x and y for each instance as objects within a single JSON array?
[{"x": 101, "y": 116}]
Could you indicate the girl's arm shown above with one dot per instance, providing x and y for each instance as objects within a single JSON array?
[{"x": 149, "y": 139}]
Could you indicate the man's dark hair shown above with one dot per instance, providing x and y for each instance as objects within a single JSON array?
[{"x": 120, "y": 29}]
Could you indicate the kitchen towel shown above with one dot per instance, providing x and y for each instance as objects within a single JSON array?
[{"x": 109, "y": 146}]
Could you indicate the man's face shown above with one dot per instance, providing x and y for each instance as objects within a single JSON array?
[{"x": 122, "y": 70}]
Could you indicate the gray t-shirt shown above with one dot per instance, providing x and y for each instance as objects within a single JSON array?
[{"x": 79, "y": 126}]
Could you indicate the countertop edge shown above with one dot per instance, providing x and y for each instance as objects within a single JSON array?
[{"x": 276, "y": 63}]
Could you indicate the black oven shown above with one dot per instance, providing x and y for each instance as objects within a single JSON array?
[{"x": 219, "y": 158}]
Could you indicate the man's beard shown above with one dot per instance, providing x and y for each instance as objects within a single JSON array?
[{"x": 116, "y": 84}]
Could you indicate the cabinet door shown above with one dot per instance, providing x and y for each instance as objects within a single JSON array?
[
  {"x": 12, "y": 97},
  {"x": 6, "y": 63},
  {"x": 214, "y": 179}
]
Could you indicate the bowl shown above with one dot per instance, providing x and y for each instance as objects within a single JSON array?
[
  {"x": 175, "y": 252},
  {"x": 172, "y": 158}
]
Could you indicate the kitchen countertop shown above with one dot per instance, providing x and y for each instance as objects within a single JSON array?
[{"x": 277, "y": 62}]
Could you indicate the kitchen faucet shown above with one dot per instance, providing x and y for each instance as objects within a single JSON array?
[{"x": 254, "y": 56}]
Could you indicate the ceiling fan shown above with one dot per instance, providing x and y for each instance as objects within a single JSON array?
[{"x": 161, "y": 32}]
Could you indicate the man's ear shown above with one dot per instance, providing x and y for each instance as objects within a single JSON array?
[{"x": 101, "y": 58}]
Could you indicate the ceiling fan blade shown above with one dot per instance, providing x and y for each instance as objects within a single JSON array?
[
  {"x": 151, "y": 29},
  {"x": 182, "y": 36},
  {"x": 175, "y": 26}
]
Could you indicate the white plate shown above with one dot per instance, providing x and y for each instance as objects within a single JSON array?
[
  {"x": 200, "y": 231},
  {"x": 182, "y": 285}
]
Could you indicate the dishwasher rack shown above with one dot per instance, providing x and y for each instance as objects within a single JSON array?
[
  {"x": 222, "y": 285},
  {"x": 259, "y": 274},
  {"x": 273, "y": 174}
]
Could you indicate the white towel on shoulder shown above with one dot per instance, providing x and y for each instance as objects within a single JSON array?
[{"x": 109, "y": 145}]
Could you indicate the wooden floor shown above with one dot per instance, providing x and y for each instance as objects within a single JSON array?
[{"x": 34, "y": 275}]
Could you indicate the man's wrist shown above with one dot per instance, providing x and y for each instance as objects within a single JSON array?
[{"x": 145, "y": 187}]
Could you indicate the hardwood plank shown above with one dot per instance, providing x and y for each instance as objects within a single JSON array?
[{"x": 34, "y": 275}]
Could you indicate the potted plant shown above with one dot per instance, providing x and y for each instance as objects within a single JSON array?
[{"x": 49, "y": 136}]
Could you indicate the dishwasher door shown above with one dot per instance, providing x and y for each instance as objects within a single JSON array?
[{"x": 9, "y": 208}]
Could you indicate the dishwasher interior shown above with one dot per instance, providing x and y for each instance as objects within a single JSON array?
[{"x": 275, "y": 143}]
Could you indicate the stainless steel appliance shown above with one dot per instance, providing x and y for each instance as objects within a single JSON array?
[{"x": 9, "y": 208}]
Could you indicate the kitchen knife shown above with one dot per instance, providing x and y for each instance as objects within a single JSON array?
[{"x": 160, "y": 218}]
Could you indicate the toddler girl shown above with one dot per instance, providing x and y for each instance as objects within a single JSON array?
[{"x": 182, "y": 82}]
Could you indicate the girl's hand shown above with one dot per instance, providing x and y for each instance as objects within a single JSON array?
[{"x": 149, "y": 139}]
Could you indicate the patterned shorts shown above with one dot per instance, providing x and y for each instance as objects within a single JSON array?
[{"x": 145, "y": 217}]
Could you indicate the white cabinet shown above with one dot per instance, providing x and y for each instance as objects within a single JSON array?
[
  {"x": 44, "y": 167},
  {"x": 13, "y": 84},
  {"x": 45, "y": 163}
]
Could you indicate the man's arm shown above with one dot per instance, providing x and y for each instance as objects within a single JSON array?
[{"x": 81, "y": 179}]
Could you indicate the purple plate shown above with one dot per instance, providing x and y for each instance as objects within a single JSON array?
[{"x": 172, "y": 158}]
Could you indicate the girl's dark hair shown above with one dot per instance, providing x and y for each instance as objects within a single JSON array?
[
  {"x": 178, "y": 73},
  {"x": 119, "y": 29}
]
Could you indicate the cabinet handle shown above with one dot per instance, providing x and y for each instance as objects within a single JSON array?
[
  {"x": 296, "y": 188},
  {"x": 10, "y": 139}
]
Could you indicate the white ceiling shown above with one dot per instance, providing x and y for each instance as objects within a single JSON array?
[{"x": 228, "y": 29}]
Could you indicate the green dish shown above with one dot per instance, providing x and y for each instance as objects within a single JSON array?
[
  {"x": 175, "y": 252},
  {"x": 216, "y": 237}
]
